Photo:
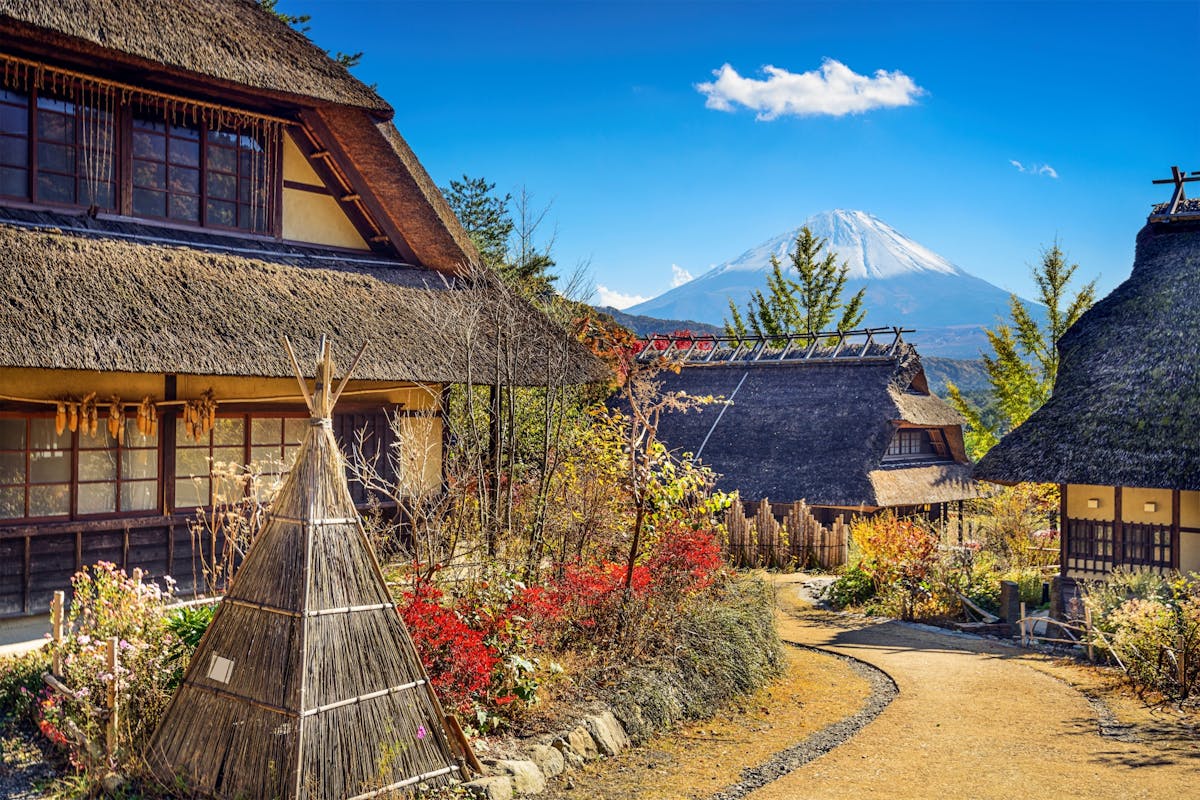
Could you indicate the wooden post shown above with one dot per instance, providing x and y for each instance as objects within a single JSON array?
[
  {"x": 1021, "y": 622},
  {"x": 110, "y": 729},
  {"x": 1087, "y": 625},
  {"x": 1181, "y": 662},
  {"x": 56, "y": 629},
  {"x": 1175, "y": 513},
  {"x": 1118, "y": 556}
]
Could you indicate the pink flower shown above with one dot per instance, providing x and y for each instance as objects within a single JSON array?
[{"x": 421, "y": 732}]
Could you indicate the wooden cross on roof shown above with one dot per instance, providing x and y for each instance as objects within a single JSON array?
[{"x": 1179, "y": 178}]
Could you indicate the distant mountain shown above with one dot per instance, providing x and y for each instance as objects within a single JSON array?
[
  {"x": 907, "y": 284},
  {"x": 644, "y": 326},
  {"x": 969, "y": 375}
]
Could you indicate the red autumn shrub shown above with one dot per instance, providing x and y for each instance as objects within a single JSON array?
[
  {"x": 589, "y": 605},
  {"x": 459, "y": 662}
]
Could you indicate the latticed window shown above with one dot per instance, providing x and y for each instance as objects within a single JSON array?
[
  {"x": 917, "y": 443},
  {"x": 45, "y": 474},
  {"x": 80, "y": 141},
  {"x": 213, "y": 469},
  {"x": 199, "y": 175},
  {"x": 58, "y": 150}
]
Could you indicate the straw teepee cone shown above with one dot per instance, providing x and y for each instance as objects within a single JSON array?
[{"x": 306, "y": 684}]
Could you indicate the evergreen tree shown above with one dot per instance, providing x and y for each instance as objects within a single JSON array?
[
  {"x": 1024, "y": 359},
  {"x": 507, "y": 245},
  {"x": 807, "y": 304},
  {"x": 485, "y": 217}
]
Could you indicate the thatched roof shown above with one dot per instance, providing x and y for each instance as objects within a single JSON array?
[
  {"x": 306, "y": 683},
  {"x": 114, "y": 297},
  {"x": 388, "y": 169},
  {"x": 233, "y": 42},
  {"x": 1126, "y": 404},
  {"x": 817, "y": 430}
]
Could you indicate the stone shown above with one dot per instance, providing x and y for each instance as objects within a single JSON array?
[
  {"x": 549, "y": 760},
  {"x": 582, "y": 743},
  {"x": 607, "y": 733},
  {"x": 525, "y": 776},
  {"x": 492, "y": 787}
]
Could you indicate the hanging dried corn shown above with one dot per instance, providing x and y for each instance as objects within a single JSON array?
[
  {"x": 116, "y": 420},
  {"x": 88, "y": 415},
  {"x": 60, "y": 418},
  {"x": 200, "y": 415},
  {"x": 147, "y": 415},
  {"x": 72, "y": 416}
]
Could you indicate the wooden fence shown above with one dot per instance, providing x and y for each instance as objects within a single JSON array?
[{"x": 799, "y": 540}]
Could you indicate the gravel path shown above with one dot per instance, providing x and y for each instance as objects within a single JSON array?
[
  {"x": 883, "y": 691},
  {"x": 974, "y": 718}
]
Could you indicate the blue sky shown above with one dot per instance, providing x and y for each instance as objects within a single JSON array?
[{"x": 594, "y": 108}]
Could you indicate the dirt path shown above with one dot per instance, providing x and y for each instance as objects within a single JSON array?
[{"x": 976, "y": 719}]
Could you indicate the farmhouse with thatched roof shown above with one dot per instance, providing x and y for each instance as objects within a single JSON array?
[
  {"x": 1121, "y": 432},
  {"x": 847, "y": 427},
  {"x": 181, "y": 183}
]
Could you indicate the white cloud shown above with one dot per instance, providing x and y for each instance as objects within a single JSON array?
[
  {"x": 679, "y": 276},
  {"x": 608, "y": 297},
  {"x": 1035, "y": 169},
  {"x": 834, "y": 89}
]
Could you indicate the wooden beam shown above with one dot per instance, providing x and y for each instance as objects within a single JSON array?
[
  {"x": 370, "y": 206},
  {"x": 1062, "y": 529},
  {"x": 1175, "y": 524},
  {"x": 366, "y": 217},
  {"x": 1118, "y": 529}
]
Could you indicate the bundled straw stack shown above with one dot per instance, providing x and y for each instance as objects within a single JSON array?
[{"x": 307, "y": 684}]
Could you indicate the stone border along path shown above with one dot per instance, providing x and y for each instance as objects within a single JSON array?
[{"x": 883, "y": 691}]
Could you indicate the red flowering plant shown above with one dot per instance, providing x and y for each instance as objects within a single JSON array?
[{"x": 590, "y": 608}]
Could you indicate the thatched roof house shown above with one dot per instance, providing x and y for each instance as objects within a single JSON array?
[
  {"x": 854, "y": 430},
  {"x": 1121, "y": 432},
  {"x": 181, "y": 183}
]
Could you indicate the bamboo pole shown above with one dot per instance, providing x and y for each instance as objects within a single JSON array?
[
  {"x": 1021, "y": 623},
  {"x": 110, "y": 729},
  {"x": 56, "y": 629}
]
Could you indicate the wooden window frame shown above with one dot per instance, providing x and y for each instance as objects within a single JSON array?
[
  {"x": 247, "y": 446},
  {"x": 123, "y": 121},
  {"x": 33, "y": 140},
  {"x": 73, "y": 483}
]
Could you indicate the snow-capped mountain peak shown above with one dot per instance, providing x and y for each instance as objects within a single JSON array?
[
  {"x": 906, "y": 284},
  {"x": 869, "y": 246}
]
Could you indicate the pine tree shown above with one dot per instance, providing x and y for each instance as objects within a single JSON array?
[
  {"x": 484, "y": 215},
  {"x": 807, "y": 304},
  {"x": 1024, "y": 359}
]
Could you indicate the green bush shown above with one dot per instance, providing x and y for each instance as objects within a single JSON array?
[
  {"x": 20, "y": 684},
  {"x": 1029, "y": 582},
  {"x": 1151, "y": 625},
  {"x": 852, "y": 588},
  {"x": 727, "y": 646}
]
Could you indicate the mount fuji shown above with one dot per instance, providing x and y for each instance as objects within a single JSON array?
[{"x": 907, "y": 284}]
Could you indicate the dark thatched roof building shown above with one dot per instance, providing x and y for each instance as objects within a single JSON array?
[
  {"x": 182, "y": 182},
  {"x": 855, "y": 432},
  {"x": 1121, "y": 432}
]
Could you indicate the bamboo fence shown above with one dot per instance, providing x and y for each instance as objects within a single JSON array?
[{"x": 796, "y": 541}]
